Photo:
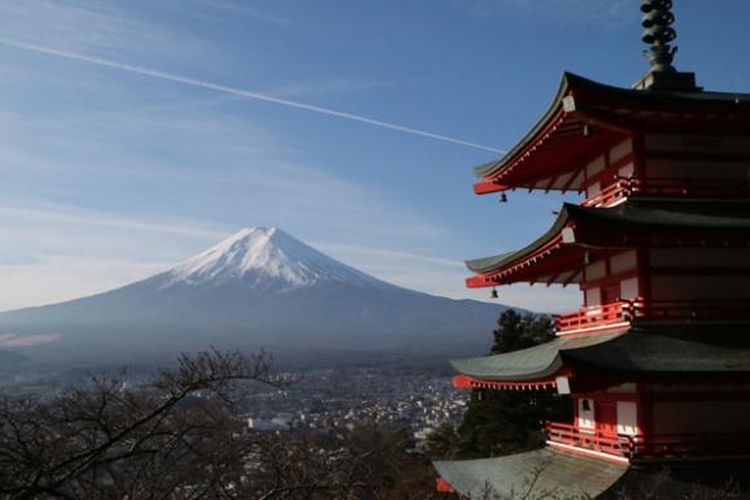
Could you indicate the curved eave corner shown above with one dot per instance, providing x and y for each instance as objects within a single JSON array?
[
  {"x": 576, "y": 93},
  {"x": 488, "y": 173},
  {"x": 488, "y": 270},
  {"x": 551, "y": 382},
  {"x": 537, "y": 364},
  {"x": 517, "y": 367},
  {"x": 544, "y": 473}
]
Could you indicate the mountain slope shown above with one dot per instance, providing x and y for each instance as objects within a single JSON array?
[{"x": 258, "y": 288}]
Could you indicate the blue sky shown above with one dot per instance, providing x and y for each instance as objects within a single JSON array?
[{"x": 110, "y": 175}]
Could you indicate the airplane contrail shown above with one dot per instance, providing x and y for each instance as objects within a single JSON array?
[{"x": 163, "y": 75}]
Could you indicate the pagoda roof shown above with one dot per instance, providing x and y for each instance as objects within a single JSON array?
[
  {"x": 704, "y": 349},
  {"x": 694, "y": 349},
  {"x": 533, "y": 363},
  {"x": 618, "y": 226},
  {"x": 556, "y": 147},
  {"x": 540, "y": 473}
]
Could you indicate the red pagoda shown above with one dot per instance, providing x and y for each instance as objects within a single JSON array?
[{"x": 657, "y": 360}]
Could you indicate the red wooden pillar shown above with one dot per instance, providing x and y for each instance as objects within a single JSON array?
[{"x": 606, "y": 417}]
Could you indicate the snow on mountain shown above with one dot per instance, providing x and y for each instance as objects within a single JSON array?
[
  {"x": 258, "y": 288},
  {"x": 259, "y": 255}
]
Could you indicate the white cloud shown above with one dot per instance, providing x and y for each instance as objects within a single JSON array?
[
  {"x": 68, "y": 251},
  {"x": 8, "y": 340},
  {"x": 234, "y": 91},
  {"x": 98, "y": 27},
  {"x": 59, "y": 278},
  {"x": 57, "y": 215},
  {"x": 215, "y": 172},
  {"x": 226, "y": 169}
]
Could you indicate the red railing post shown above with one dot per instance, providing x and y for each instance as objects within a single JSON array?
[{"x": 595, "y": 316}]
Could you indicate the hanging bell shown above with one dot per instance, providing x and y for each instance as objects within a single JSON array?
[
  {"x": 493, "y": 294},
  {"x": 588, "y": 258}
]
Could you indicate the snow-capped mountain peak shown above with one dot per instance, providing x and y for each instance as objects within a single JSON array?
[
  {"x": 259, "y": 288},
  {"x": 263, "y": 256}
]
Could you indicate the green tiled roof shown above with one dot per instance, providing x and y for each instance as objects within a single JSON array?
[
  {"x": 674, "y": 213},
  {"x": 637, "y": 212},
  {"x": 672, "y": 349},
  {"x": 682, "y": 101},
  {"x": 693, "y": 349},
  {"x": 544, "y": 473},
  {"x": 487, "y": 264},
  {"x": 526, "y": 364}
]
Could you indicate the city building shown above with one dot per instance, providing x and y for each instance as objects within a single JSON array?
[{"x": 656, "y": 362}]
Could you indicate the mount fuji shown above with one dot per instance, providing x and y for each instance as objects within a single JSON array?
[{"x": 259, "y": 288}]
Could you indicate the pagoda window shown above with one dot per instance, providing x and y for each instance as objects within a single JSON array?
[
  {"x": 596, "y": 270},
  {"x": 629, "y": 289},
  {"x": 627, "y": 418},
  {"x": 610, "y": 292},
  {"x": 585, "y": 417},
  {"x": 593, "y": 297},
  {"x": 626, "y": 171},
  {"x": 624, "y": 261},
  {"x": 593, "y": 189},
  {"x": 595, "y": 166},
  {"x": 621, "y": 150},
  {"x": 611, "y": 279}
]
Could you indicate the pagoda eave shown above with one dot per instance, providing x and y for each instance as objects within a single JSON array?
[
  {"x": 466, "y": 382},
  {"x": 667, "y": 353},
  {"x": 558, "y": 256},
  {"x": 538, "y": 473},
  {"x": 586, "y": 117},
  {"x": 541, "y": 363},
  {"x": 656, "y": 359}
]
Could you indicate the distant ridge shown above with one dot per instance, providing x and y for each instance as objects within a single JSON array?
[{"x": 258, "y": 288}]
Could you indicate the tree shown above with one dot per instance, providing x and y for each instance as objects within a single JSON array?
[
  {"x": 108, "y": 441},
  {"x": 515, "y": 331},
  {"x": 180, "y": 438},
  {"x": 503, "y": 422}
]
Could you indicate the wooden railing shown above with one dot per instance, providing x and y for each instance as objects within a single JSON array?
[
  {"x": 615, "y": 191},
  {"x": 595, "y": 317},
  {"x": 592, "y": 440},
  {"x": 623, "y": 187},
  {"x": 656, "y": 446},
  {"x": 615, "y": 314}
]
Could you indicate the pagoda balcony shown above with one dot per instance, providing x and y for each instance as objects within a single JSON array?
[
  {"x": 593, "y": 318},
  {"x": 616, "y": 315},
  {"x": 623, "y": 187},
  {"x": 656, "y": 446},
  {"x": 588, "y": 439}
]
